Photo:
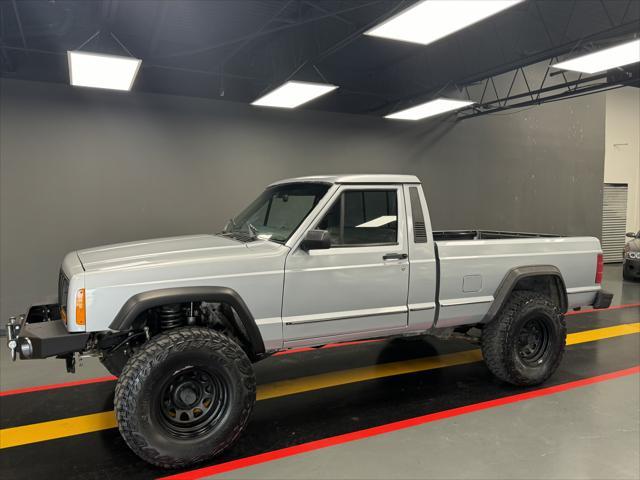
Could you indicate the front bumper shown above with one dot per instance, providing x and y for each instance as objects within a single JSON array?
[
  {"x": 631, "y": 268},
  {"x": 42, "y": 334}
]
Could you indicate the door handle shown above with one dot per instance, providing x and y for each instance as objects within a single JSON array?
[{"x": 394, "y": 256}]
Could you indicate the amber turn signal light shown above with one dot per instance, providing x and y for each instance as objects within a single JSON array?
[{"x": 81, "y": 316}]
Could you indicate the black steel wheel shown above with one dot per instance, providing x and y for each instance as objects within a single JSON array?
[
  {"x": 524, "y": 344},
  {"x": 185, "y": 396},
  {"x": 192, "y": 401},
  {"x": 533, "y": 341}
]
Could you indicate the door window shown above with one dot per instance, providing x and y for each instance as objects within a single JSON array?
[{"x": 363, "y": 217}]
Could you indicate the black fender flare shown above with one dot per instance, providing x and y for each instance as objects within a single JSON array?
[
  {"x": 140, "y": 302},
  {"x": 513, "y": 276}
]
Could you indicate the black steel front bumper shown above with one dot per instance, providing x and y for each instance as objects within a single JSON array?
[
  {"x": 631, "y": 268},
  {"x": 42, "y": 334}
]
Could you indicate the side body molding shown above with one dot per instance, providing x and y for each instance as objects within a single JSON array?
[
  {"x": 528, "y": 274},
  {"x": 155, "y": 298}
]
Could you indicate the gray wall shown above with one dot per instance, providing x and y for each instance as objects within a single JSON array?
[{"x": 82, "y": 167}]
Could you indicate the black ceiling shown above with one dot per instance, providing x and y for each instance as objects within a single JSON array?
[{"x": 238, "y": 49}]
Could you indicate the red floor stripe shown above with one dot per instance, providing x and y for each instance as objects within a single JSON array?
[
  {"x": 615, "y": 307},
  {"x": 392, "y": 427},
  {"x": 39, "y": 388},
  {"x": 284, "y": 352}
]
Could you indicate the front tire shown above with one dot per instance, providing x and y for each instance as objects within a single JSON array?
[
  {"x": 185, "y": 396},
  {"x": 524, "y": 344}
]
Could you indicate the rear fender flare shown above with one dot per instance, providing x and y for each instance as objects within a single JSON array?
[{"x": 515, "y": 275}]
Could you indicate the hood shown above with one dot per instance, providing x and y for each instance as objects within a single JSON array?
[
  {"x": 157, "y": 251},
  {"x": 633, "y": 245}
]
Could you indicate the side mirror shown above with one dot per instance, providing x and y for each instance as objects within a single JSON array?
[
  {"x": 316, "y": 240},
  {"x": 628, "y": 234}
]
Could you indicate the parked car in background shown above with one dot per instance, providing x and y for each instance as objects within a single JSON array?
[{"x": 631, "y": 257}]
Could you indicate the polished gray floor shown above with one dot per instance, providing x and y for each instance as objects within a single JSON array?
[
  {"x": 589, "y": 433},
  {"x": 624, "y": 291}
]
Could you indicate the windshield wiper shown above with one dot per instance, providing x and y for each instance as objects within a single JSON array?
[{"x": 230, "y": 226}]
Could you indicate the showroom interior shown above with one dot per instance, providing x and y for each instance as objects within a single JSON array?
[{"x": 128, "y": 120}]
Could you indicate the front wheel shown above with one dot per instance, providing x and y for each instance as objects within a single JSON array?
[
  {"x": 524, "y": 344},
  {"x": 185, "y": 396}
]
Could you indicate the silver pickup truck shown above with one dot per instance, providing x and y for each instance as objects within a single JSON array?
[{"x": 311, "y": 261}]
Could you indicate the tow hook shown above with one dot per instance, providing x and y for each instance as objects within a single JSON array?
[{"x": 13, "y": 330}]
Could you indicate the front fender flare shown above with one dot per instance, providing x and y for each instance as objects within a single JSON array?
[{"x": 154, "y": 298}]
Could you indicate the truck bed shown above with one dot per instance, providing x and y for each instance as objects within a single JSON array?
[{"x": 472, "y": 263}]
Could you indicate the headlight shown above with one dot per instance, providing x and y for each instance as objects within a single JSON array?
[{"x": 633, "y": 255}]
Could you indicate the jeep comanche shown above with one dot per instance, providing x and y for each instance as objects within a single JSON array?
[{"x": 311, "y": 261}]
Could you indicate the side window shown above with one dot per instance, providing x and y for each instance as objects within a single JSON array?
[{"x": 363, "y": 217}]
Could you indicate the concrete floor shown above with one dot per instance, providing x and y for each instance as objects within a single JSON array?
[{"x": 590, "y": 432}]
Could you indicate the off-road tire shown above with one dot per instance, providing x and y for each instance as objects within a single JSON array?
[
  {"x": 627, "y": 276},
  {"x": 138, "y": 396},
  {"x": 501, "y": 339}
]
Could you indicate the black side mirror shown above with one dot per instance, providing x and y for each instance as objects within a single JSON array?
[
  {"x": 316, "y": 240},
  {"x": 629, "y": 234}
]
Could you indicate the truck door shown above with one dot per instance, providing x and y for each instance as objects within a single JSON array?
[{"x": 359, "y": 286}]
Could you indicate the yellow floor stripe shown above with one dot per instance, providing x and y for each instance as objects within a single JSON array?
[
  {"x": 602, "y": 333},
  {"x": 40, "y": 432},
  {"x": 67, "y": 427}
]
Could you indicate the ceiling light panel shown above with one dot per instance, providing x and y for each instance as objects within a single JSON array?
[
  {"x": 431, "y": 20},
  {"x": 618, "y": 56},
  {"x": 293, "y": 94},
  {"x": 97, "y": 70},
  {"x": 430, "y": 109}
]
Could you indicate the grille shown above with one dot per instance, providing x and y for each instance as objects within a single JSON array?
[{"x": 63, "y": 289}]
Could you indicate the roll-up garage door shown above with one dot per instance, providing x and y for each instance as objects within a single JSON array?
[{"x": 614, "y": 221}]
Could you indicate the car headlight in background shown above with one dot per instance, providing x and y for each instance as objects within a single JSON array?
[{"x": 632, "y": 255}]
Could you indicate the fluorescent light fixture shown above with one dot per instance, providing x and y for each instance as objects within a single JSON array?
[
  {"x": 97, "y": 70},
  {"x": 432, "y": 20},
  {"x": 430, "y": 109},
  {"x": 602, "y": 60},
  {"x": 293, "y": 94}
]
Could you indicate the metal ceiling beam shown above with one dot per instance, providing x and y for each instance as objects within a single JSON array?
[
  {"x": 567, "y": 47},
  {"x": 569, "y": 93}
]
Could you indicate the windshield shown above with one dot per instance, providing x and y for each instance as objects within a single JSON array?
[{"x": 277, "y": 212}]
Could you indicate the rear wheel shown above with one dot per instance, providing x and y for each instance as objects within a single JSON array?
[
  {"x": 525, "y": 343},
  {"x": 185, "y": 396}
]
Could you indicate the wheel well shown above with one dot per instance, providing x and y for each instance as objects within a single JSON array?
[
  {"x": 551, "y": 286},
  {"x": 219, "y": 316},
  {"x": 116, "y": 348},
  {"x": 181, "y": 302},
  {"x": 544, "y": 279}
]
